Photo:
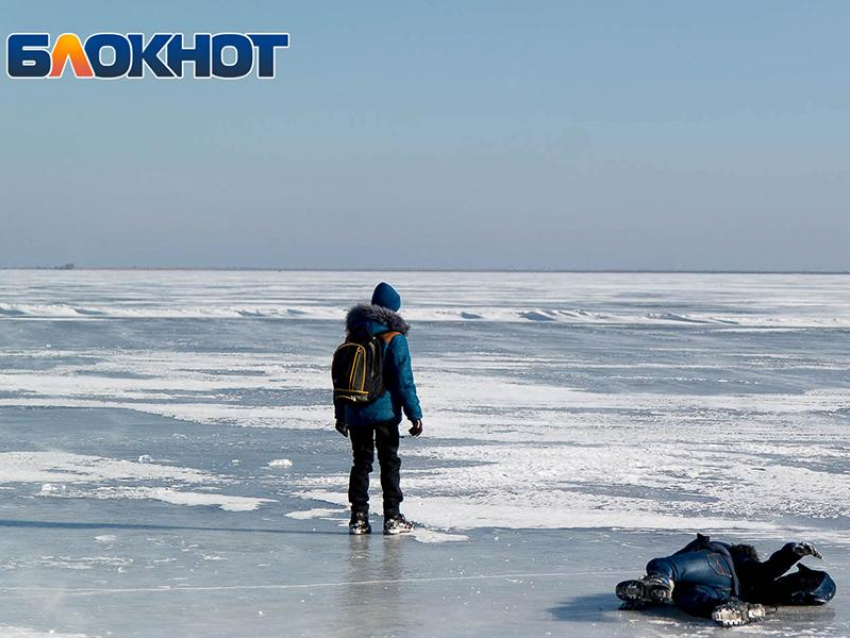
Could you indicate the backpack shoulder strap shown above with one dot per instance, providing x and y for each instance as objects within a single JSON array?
[{"x": 387, "y": 337}]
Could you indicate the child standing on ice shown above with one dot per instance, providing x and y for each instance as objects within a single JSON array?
[{"x": 373, "y": 385}]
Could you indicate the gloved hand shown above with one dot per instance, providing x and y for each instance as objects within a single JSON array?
[
  {"x": 806, "y": 549},
  {"x": 415, "y": 427},
  {"x": 342, "y": 428}
]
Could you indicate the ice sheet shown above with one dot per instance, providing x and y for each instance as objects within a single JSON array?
[{"x": 589, "y": 421}]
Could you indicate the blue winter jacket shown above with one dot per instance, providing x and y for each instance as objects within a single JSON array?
[{"x": 398, "y": 375}]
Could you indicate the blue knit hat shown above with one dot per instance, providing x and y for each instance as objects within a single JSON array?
[{"x": 386, "y": 296}]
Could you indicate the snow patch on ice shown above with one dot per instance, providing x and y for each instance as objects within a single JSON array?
[
  {"x": 55, "y": 469},
  {"x": 84, "y": 477},
  {"x": 425, "y": 535},
  {"x": 320, "y": 513},
  {"x": 52, "y": 488},
  {"x": 477, "y": 310},
  {"x": 176, "y": 497},
  {"x": 466, "y": 514}
]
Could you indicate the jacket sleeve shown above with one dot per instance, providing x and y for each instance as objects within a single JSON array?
[
  {"x": 401, "y": 380},
  {"x": 779, "y": 562}
]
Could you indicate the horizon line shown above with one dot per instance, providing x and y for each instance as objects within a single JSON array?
[{"x": 675, "y": 271}]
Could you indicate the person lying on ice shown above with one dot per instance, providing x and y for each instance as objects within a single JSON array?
[{"x": 728, "y": 583}]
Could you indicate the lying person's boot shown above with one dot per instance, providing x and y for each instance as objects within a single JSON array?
[
  {"x": 651, "y": 589},
  {"x": 736, "y": 613},
  {"x": 359, "y": 524},
  {"x": 397, "y": 524}
]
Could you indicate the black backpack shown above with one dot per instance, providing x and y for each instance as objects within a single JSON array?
[{"x": 358, "y": 369}]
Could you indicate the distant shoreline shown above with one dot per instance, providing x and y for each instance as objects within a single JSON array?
[{"x": 434, "y": 270}]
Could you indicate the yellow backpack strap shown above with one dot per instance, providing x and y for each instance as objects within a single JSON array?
[{"x": 389, "y": 336}]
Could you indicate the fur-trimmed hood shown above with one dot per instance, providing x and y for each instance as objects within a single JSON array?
[{"x": 364, "y": 313}]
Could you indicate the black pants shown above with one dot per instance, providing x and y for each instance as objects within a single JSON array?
[{"x": 364, "y": 439}]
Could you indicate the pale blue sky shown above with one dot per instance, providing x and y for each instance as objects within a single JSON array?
[{"x": 444, "y": 134}]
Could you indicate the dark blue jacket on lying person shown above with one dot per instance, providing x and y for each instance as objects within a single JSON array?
[{"x": 372, "y": 320}]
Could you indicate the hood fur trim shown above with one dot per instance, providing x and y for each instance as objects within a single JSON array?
[{"x": 364, "y": 312}]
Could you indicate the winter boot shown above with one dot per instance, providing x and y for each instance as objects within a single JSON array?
[
  {"x": 359, "y": 524},
  {"x": 397, "y": 524},
  {"x": 736, "y": 612},
  {"x": 651, "y": 589}
]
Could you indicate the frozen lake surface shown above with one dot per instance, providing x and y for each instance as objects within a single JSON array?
[{"x": 168, "y": 464}]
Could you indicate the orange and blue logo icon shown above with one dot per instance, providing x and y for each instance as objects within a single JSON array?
[{"x": 162, "y": 55}]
